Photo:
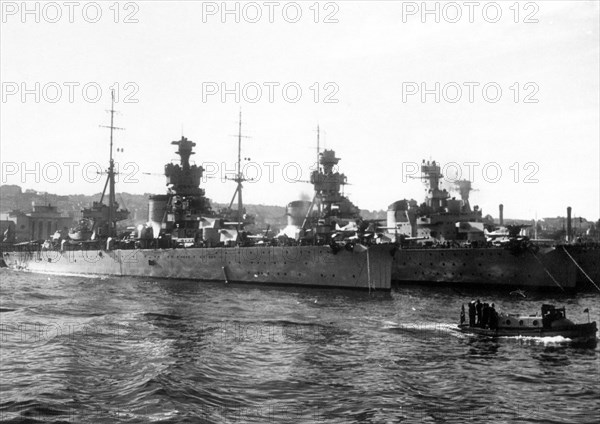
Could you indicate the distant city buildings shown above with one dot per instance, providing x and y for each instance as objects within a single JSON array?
[{"x": 38, "y": 224}]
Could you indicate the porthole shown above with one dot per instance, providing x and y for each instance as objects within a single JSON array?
[
  {"x": 507, "y": 322},
  {"x": 520, "y": 322},
  {"x": 535, "y": 322}
]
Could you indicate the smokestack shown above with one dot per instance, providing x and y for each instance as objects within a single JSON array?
[
  {"x": 501, "y": 214},
  {"x": 569, "y": 224}
]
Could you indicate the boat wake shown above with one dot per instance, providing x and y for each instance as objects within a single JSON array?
[
  {"x": 429, "y": 329},
  {"x": 548, "y": 340}
]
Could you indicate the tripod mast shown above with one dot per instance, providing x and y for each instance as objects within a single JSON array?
[
  {"x": 111, "y": 172},
  {"x": 239, "y": 178}
]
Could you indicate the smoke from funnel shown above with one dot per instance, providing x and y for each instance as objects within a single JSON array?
[{"x": 305, "y": 196}]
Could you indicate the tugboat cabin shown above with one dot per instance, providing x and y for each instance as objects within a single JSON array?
[{"x": 551, "y": 317}]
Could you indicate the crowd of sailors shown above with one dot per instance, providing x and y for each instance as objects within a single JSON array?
[{"x": 481, "y": 315}]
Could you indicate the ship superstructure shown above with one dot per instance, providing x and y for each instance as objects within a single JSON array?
[
  {"x": 99, "y": 222},
  {"x": 440, "y": 217},
  {"x": 184, "y": 218},
  {"x": 444, "y": 240},
  {"x": 329, "y": 210},
  {"x": 330, "y": 217},
  {"x": 179, "y": 217},
  {"x": 186, "y": 239}
]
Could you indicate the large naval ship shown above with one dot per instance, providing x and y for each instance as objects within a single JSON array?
[
  {"x": 186, "y": 239},
  {"x": 444, "y": 240}
]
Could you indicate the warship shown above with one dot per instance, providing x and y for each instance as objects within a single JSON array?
[
  {"x": 445, "y": 241},
  {"x": 584, "y": 254},
  {"x": 185, "y": 239}
]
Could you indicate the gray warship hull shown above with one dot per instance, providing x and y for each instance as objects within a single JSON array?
[
  {"x": 587, "y": 259},
  {"x": 547, "y": 268},
  {"x": 359, "y": 268}
]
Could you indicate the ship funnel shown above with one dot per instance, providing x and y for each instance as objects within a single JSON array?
[
  {"x": 501, "y": 207},
  {"x": 569, "y": 234},
  {"x": 296, "y": 212}
]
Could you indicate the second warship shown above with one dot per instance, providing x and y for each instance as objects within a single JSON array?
[{"x": 445, "y": 241}]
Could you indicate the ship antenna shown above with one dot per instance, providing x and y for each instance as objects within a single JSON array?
[
  {"x": 239, "y": 167},
  {"x": 111, "y": 169},
  {"x": 312, "y": 204},
  {"x": 239, "y": 179},
  {"x": 318, "y": 145}
]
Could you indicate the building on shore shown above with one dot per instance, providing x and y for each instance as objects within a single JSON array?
[{"x": 38, "y": 224}]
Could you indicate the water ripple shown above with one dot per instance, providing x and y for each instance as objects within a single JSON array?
[{"x": 134, "y": 351}]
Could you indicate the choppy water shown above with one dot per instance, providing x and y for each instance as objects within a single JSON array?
[{"x": 131, "y": 350}]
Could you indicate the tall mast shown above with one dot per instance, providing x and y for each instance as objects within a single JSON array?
[
  {"x": 239, "y": 178},
  {"x": 111, "y": 171},
  {"x": 318, "y": 165},
  {"x": 318, "y": 145}
]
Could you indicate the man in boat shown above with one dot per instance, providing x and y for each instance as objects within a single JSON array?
[
  {"x": 548, "y": 312},
  {"x": 485, "y": 315},
  {"x": 472, "y": 313},
  {"x": 478, "y": 311},
  {"x": 462, "y": 314}
]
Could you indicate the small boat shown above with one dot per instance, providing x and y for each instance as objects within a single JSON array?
[{"x": 551, "y": 323}]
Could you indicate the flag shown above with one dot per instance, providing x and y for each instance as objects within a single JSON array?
[{"x": 586, "y": 310}]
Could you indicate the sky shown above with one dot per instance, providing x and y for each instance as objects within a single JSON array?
[{"x": 505, "y": 95}]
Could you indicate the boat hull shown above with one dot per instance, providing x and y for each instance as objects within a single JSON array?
[
  {"x": 295, "y": 265},
  {"x": 484, "y": 267},
  {"x": 581, "y": 333}
]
